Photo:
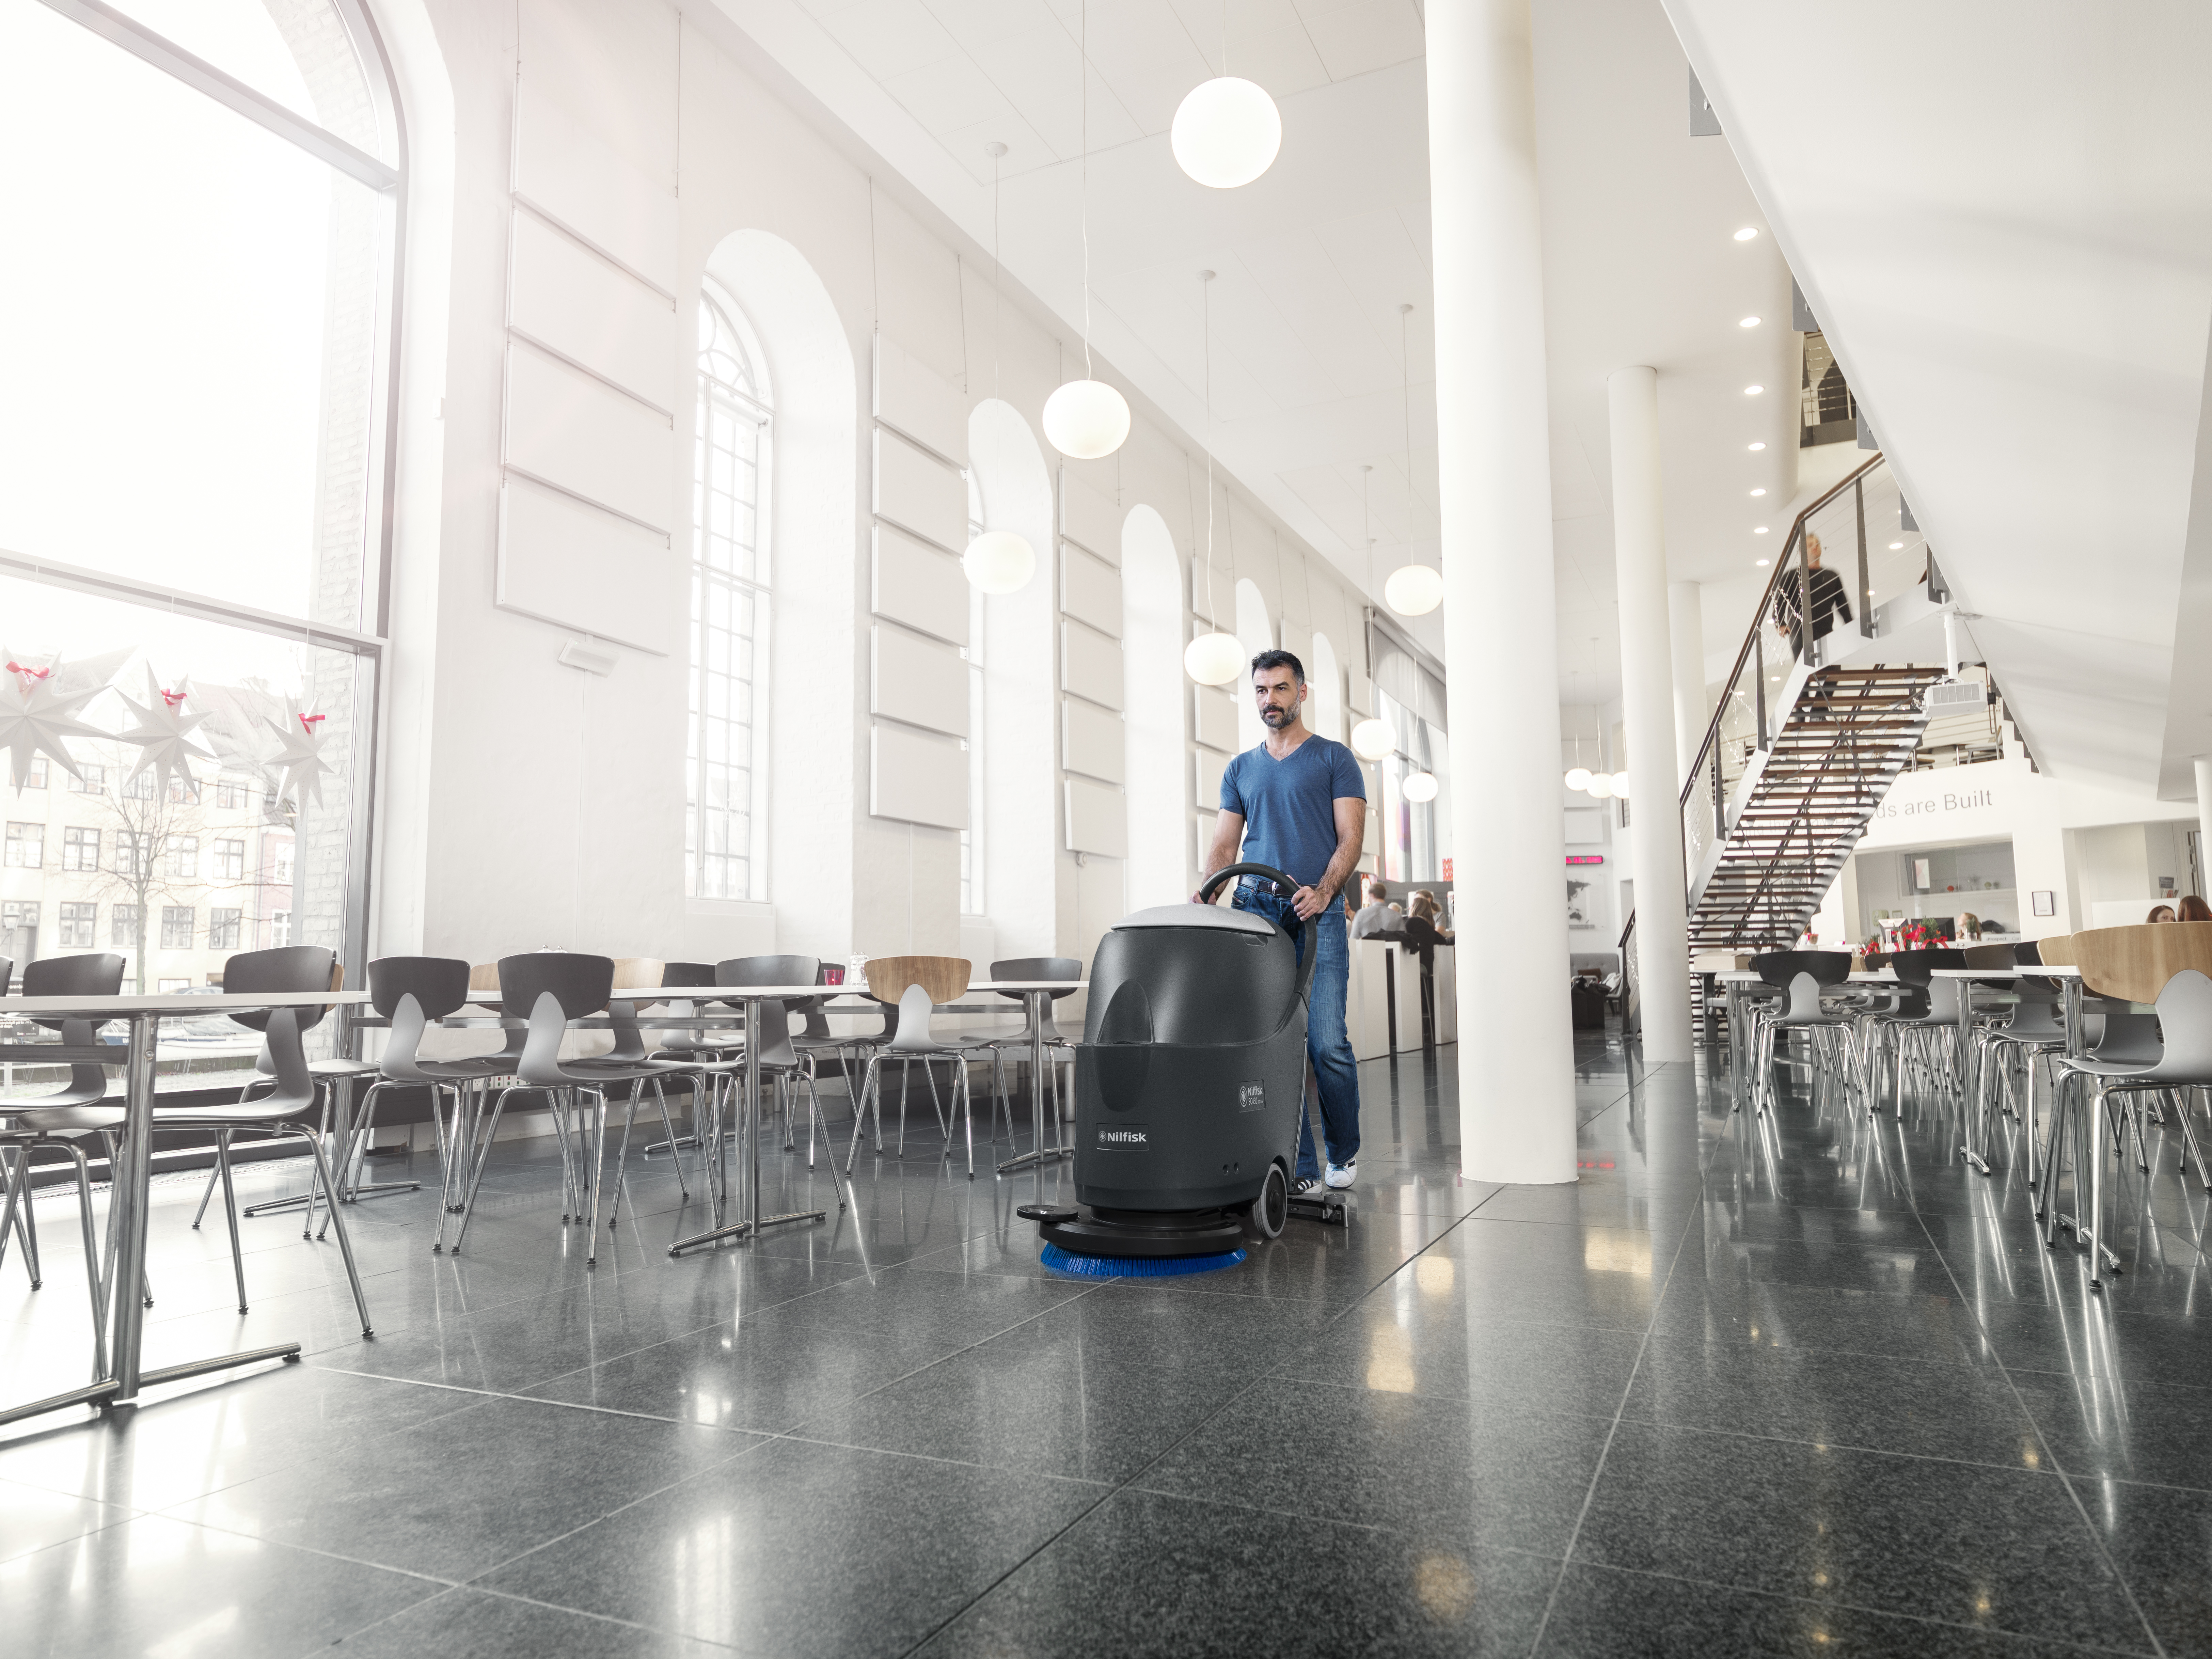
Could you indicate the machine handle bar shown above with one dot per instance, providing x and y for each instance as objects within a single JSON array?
[{"x": 1310, "y": 937}]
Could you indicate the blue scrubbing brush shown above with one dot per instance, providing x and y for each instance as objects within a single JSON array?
[{"x": 1071, "y": 1265}]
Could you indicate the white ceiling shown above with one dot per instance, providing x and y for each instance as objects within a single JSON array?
[
  {"x": 1316, "y": 259},
  {"x": 2005, "y": 222}
]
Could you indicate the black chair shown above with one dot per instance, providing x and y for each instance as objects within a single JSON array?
[
  {"x": 295, "y": 1096},
  {"x": 1800, "y": 976},
  {"x": 61, "y": 1120},
  {"x": 548, "y": 989},
  {"x": 1925, "y": 1027}
]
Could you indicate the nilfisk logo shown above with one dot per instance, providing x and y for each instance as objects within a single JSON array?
[
  {"x": 1251, "y": 1096},
  {"x": 1115, "y": 1137}
]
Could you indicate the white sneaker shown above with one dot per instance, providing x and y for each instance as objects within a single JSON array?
[{"x": 1342, "y": 1177}]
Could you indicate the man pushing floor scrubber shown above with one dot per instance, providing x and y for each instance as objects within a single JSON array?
[
  {"x": 1298, "y": 802},
  {"x": 1190, "y": 1112}
]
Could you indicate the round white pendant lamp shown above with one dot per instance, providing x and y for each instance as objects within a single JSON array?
[
  {"x": 1371, "y": 739},
  {"x": 1578, "y": 777},
  {"x": 1086, "y": 420},
  {"x": 999, "y": 561},
  {"x": 1601, "y": 787},
  {"x": 1226, "y": 132},
  {"x": 1421, "y": 786},
  {"x": 1213, "y": 659},
  {"x": 1620, "y": 785},
  {"x": 1414, "y": 590}
]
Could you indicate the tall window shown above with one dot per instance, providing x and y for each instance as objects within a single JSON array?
[
  {"x": 971, "y": 838},
  {"x": 212, "y": 542},
  {"x": 729, "y": 610}
]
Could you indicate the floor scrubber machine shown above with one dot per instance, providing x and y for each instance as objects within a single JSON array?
[{"x": 1190, "y": 1084}]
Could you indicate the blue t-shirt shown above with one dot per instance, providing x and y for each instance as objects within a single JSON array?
[{"x": 1289, "y": 806}]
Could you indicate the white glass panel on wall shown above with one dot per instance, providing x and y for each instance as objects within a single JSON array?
[
  {"x": 729, "y": 608},
  {"x": 971, "y": 838},
  {"x": 193, "y": 319},
  {"x": 245, "y": 845}
]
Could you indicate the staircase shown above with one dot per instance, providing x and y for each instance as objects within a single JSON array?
[
  {"x": 1809, "y": 734},
  {"x": 1801, "y": 804}
]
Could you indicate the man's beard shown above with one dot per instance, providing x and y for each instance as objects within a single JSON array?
[{"x": 1275, "y": 716}]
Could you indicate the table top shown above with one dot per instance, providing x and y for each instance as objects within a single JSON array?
[
  {"x": 2006, "y": 973},
  {"x": 720, "y": 993},
  {"x": 174, "y": 1003}
]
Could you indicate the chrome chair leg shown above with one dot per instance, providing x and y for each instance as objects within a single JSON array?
[
  {"x": 345, "y": 1243},
  {"x": 230, "y": 1212}
]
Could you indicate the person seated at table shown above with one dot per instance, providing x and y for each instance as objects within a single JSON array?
[
  {"x": 2161, "y": 913},
  {"x": 1425, "y": 921},
  {"x": 1378, "y": 918},
  {"x": 2194, "y": 908}
]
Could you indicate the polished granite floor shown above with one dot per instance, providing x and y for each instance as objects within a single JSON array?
[{"x": 1821, "y": 1391}]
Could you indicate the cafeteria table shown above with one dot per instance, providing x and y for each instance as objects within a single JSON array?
[{"x": 130, "y": 1186}]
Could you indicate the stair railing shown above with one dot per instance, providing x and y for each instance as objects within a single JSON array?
[{"x": 1702, "y": 801}]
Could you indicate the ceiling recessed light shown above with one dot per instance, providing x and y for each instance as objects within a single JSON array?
[
  {"x": 1756, "y": 448},
  {"x": 1748, "y": 322},
  {"x": 1758, "y": 529},
  {"x": 1746, "y": 233},
  {"x": 1893, "y": 546},
  {"x": 1759, "y": 492},
  {"x": 1762, "y": 563},
  {"x": 1752, "y": 391}
]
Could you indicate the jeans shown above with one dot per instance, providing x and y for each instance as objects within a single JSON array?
[{"x": 1327, "y": 1040}]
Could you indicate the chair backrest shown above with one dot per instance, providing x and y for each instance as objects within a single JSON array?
[
  {"x": 292, "y": 968},
  {"x": 96, "y": 974},
  {"x": 439, "y": 985},
  {"x": 2056, "y": 952},
  {"x": 944, "y": 978},
  {"x": 1988, "y": 956},
  {"x": 579, "y": 983},
  {"x": 1035, "y": 968},
  {"x": 775, "y": 1047},
  {"x": 675, "y": 973},
  {"x": 6, "y": 971},
  {"x": 1803, "y": 975},
  {"x": 1914, "y": 966},
  {"x": 483, "y": 985},
  {"x": 2185, "y": 1021},
  {"x": 768, "y": 970},
  {"x": 2135, "y": 964}
]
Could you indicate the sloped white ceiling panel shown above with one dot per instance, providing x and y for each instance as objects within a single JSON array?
[
  {"x": 572, "y": 565},
  {"x": 1089, "y": 590},
  {"x": 576, "y": 179},
  {"x": 1097, "y": 819},
  {"x": 918, "y": 585},
  {"x": 920, "y": 681},
  {"x": 915, "y": 399},
  {"x": 918, "y": 492}
]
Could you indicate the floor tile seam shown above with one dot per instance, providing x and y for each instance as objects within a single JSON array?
[
  {"x": 1613, "y": 1430},
  {"x": 1077, "y": 1520},
  {"x": 1842, "y": 1605},
  {"x": 1838, "y": 1446},
  {"x": 793, "y": 1436},
  {"x": 1521, "y": 1408},
  {"x": 760, "y": 1443},
  {"x": 263, "y": 1540},
  {"x": 2057, "y": 1465},
  {"x": 533, "y": 1601},
  {"x": 791, "y": 1430},
  {"x": 122, "y": 1520}
]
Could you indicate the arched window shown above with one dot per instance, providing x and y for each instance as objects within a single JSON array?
[{"x": 729, "y": 608}]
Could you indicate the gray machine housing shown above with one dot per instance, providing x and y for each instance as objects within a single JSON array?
[{"x": 1192, "y": 1068}]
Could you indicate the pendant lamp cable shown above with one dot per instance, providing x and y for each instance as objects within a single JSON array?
[
  {"x": 998, "y": 154},
  {"x": 1405, "y": 404},
  {"x": 1206, "y": 311},
  {"x": 1083, "y": 75}
]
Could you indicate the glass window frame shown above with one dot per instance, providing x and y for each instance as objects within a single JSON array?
[{"x": 385, "y": 174}]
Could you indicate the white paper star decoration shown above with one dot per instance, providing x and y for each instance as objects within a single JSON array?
[
  {"x": 301, "y": 756},
  {"x": 35, "y": 718},
  {"x": 162, "y": 730}
]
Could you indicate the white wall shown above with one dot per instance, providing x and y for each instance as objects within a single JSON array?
[
  {"x": 544, "y": 807},
  {"x": 2074, "y": 841}
]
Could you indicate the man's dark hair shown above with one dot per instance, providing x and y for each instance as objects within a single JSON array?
[{"x": 1281, "y": 659}]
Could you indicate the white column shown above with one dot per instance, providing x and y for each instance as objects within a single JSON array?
[
  {"x": 1647, "y": 709},
  {"x": 2204, "y": 820},
  {"x": 1517, "y": 1091},
  {"x": 1686, "y": 612}
]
